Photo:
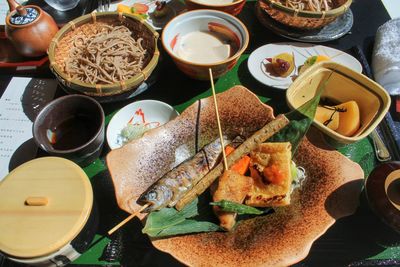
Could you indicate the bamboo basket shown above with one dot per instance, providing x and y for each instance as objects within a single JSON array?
[
  {"x": 62, "y": 42},
  {"x": 305, "y": 20}
]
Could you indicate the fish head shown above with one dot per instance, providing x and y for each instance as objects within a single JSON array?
[{"x": 157, "y": 196}]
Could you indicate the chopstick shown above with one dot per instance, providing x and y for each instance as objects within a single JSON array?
[
  {"x": 218, "y": 121},
  {"x": 127, "y": 219}
]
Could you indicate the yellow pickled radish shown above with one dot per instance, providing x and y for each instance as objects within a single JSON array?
[
  {"x": 124, "y": 8},
  {"x": 349, "y": 119},
  {"x": 321, "y": 58},
  {"x": 328, "y": 117}
]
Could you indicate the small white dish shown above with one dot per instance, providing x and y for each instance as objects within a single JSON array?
[
  {"x": 175, "y": 7},
  {"x": 148, "y": 113},
  {"x": 301, "y": 51}
]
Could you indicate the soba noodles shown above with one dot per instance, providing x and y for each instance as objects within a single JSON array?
[
  {"x": 309, "y": 5},
  {"x": 111, "y": 55}
]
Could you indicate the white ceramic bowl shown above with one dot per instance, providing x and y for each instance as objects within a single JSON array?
[
  {"x": 154, "y": 113},
  {"x": 205, "y": 20}
]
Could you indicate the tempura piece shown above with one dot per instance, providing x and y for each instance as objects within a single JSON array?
[
  {"x": 270, "y": 169},
  {"x": 234, "y": 187}
]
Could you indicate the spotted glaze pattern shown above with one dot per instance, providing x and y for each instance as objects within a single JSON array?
[
  {"x": 330, "y": 191},
  {"x": 140, "y": 163}
]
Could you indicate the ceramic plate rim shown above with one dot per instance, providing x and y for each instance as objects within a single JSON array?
[{"x": 283, "y": 84}]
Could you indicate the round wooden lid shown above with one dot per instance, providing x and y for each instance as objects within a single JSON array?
[{"x": 44, "y": 204}]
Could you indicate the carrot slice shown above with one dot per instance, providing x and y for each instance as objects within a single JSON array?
[
  {"x": 242, "y": 165},
  {"x": 229, "y": 150}
]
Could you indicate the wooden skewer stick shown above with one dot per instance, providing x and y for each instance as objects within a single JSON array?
[
  {"x": 133, "y": 215},
  {"x": 218, "y": 121},
  {"x": 130, "y": 217}
]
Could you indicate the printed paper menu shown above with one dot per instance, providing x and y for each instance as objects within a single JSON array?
[{"x": 19, "y": 104}]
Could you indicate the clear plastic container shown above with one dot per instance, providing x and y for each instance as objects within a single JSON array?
[
  {"x": 386, "y": 56},
  {"x": 62, "y": 5}
]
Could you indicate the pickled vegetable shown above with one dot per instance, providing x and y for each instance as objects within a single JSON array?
[
  {"x": 282, "y": 64},
  {"x": 349, "y": 121},
  {"x": 328, "y": 116},
  {"x": 343, "y": 118}
]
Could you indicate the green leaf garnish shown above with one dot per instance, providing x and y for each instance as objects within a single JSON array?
[
  {"x": 311, "y": 61},
  {"x": 188, "y": 226},
  {"x": 238, "y": 208},
  {"x": 169, "y": 221}
]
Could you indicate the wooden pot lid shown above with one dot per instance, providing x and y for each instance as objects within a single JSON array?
[{"x": 44, "y": 204}]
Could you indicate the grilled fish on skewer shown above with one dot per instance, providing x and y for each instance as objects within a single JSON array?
[{"x": 173, "y": 185}]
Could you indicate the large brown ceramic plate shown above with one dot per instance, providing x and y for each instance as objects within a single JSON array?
[{"x": 330, "y": 191}]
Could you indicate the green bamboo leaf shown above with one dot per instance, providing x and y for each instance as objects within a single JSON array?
[
  {"x": 187, "y": 227},
  {"x": 190, "y": 210},
  {"x": 159, "y": 220},
  {"x": 300, "y": 120},
  {"x": 168, "y": 217},
  {"x": 240, "y": 209}
]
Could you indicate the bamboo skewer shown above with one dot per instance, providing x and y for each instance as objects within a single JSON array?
[
  {"x": 133, "y": 215},
  {"x": 127, "y": 219},
  {"x": 136, "y": 213},
  {"x": 218, "y": 121}
]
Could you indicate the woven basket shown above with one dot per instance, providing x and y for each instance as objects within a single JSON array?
[
  {"x": 306, "y": 20},
  {"x": 62, "y": 42}
]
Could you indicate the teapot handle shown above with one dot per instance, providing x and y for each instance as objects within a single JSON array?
[{"x": 12, "y": 5}]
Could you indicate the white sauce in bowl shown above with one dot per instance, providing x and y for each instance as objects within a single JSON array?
[{"x": 202, "y": 48}]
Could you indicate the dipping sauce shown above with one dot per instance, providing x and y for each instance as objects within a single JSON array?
[
  {"x": 72, "y": 133},
  {"x": 203, "y": 47},
  {"x": 214, "y": 2}
]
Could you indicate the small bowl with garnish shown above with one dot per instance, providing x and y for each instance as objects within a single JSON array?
[
  {"x": 104, "y": 54},
  {"x": 233, "y": 7},
  {"x": 134, "y": 120},
  {"x": 351, "y": 104},
  {"x": 201, "y": 39}
]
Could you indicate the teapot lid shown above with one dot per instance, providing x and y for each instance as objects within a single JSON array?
[{"x": 24, "y": 15}]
